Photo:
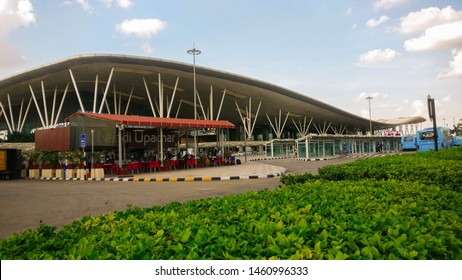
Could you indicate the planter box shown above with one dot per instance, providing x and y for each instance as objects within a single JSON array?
[
  {"x": 23, "y": 173},
  {"x": 97, "y": 173},
  {"x": 48, "y": 173},
  {"x": 59, "y": 173},
  {"x": 34, "y": 173},
  {"x": 70, "y": 173},
  {"x": 81, "y": 173}
]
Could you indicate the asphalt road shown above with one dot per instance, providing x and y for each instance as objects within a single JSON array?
[{"x": 25, "y": 203}]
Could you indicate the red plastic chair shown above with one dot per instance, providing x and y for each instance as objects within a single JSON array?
[
  {"x": 173, "y": 164},
  {"x": 191, "y": 162},
  {"x": 154, "y": 165},
  {"x": 219, "y": 161}
]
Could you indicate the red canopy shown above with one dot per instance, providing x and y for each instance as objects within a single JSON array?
[{"x": 156, "y": 122}]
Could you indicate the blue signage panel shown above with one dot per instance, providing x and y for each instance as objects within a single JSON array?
[{"x": 83, "y": 140}]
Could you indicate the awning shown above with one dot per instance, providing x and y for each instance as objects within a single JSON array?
[{"x": 146, "y": 121}]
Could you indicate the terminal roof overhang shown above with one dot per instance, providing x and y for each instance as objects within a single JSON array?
[
  {"x": 130, "y": 70},
  {"x": 145, "y": 121}
]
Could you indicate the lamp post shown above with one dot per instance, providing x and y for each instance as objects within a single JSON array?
[
  {"x": 369, "y": 98},
  {"x": 194, "y": 52},
  {"x": 92, "y": 150}
]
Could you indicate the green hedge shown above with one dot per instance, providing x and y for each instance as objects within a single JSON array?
[{"x": 318, "y": 219}]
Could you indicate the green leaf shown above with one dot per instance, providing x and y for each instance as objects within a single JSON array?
[{"x": 185, "y": 235}]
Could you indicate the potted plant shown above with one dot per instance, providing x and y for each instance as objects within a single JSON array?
[
  {"x": 59, "y": 171},
  {"x": 34, "y": 170},
  {"x": 97, "y": 170},
  {"x": 50, "y": 161},
  {"x": 79, "y": 160}
]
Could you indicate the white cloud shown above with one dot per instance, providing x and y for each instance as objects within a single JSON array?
[
  {"x": 354, "y": 26},
  {"x": 419, "y": 107},
  {"x": 455, "y": 65},
  {"x": 124, "y": 4},
  {"x": 387, "y": 4},
  {"x": 349, "y": 12},
  {"x": 143, "y": 28},
  {"x": 437, "y": 37},
  {"x": 362, "y": 96},
  {"x": 13, "y": 14},
  {"x": 85, "y": 5},
  {"x": 147, "y": 48},
  {"x": 374, "y": 23},
  {"x": 426, "y": 18},
  {"x": 378, "y": 56},
  {"x": 446, "y": 99}
]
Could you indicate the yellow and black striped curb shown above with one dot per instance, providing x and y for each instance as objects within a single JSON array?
[{"x": 168, "y": 179}]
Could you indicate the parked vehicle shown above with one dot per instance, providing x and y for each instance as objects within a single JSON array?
[{"x": 425, "y": 139}]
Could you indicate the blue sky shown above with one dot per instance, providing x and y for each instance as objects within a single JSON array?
[{"x": 339, "y": 52}]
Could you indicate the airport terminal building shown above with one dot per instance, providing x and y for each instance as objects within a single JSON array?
[{"x": 137, "y": 106}]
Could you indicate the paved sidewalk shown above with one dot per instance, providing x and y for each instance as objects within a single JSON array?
[{"x": 249, "y": 170}]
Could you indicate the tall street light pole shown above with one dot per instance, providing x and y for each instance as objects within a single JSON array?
[
  {"x": 194, "y": 52},
  {"x": 369, "y": 98}
]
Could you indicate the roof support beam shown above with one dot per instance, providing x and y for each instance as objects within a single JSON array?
[
  {"x": 95, "y": 94},
  {"x": 128, "y": 102},
  {"x": 37, "y": 106},
  {"x": 211, "y": 103},
  {"x": 173, "y": 97},
  {"x": 11, "y": 112},
  {"x": 303, "y": 129},
  {"x": 76, "y": 91},
  {"x": 103, "y": 101},
  {"x": 202, "y": 107},
  {"x": 61, "y": 104},
  {"x": 25, "y": 114},
  {"x": 161, "y": 97},
  {"x": 115, "y": 99},
  {"x": 45, "y": 109},
  {"x": 6, "y": 117},
  {"x": 178, "y": 109},
  {"x": 278, "y": 126},
  {"x": 149, "y": 97},
  {"x": 221, "y": 104},
  {"x": 120, "y": 104},
  {"x": 247, "y": 121},
  {"x": 53, "y": 106},
  {"x": 20, "y": 114}
]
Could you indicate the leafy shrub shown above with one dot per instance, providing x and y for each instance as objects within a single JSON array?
[{"x": 366, "y": 210}]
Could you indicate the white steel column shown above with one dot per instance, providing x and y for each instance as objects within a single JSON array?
[
  {"x": 200, "y": 103},
  {"x": 6, "y": 117},
  {"x": 211, "y": 103},
  {"x": 221, "y": 104},
  {"x": 178, "y": 109},
  {"x": 173, "y": 97},
  {"x": 61, "y": 104},
  {"x": 11, "y": 112},
  {"x": 149, "y": 97},
  {"x": 95, "y": 94},
  {"x": 45, "y": 109},
  {"x": 128, "y": 102},
  {"x": 20, "y": 115},
  {"x": 105, "y": 91},
  {"x": 36, "y": 105},
  {"x": 115, "y": 100},
  {"x": 76, "y": 90},
  {"x": 161, "y": 97},
  {"x": 54, "y": 105},
  {"x": 25, "y": 114}
]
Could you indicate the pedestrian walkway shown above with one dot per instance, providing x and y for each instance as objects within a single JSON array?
[{"x": 249, "y": 170}]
